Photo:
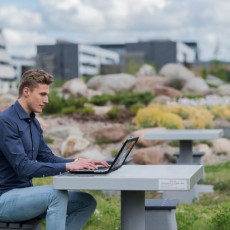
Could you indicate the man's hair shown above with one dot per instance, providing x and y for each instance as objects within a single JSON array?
[{"x": 31, "y": 78}]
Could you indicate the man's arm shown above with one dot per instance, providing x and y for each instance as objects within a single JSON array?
[
  {"x": 45, "y": 154},
  {"x": 13, "y": 150}
]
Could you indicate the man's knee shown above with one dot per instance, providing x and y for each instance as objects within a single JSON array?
[{"x": 58, "y": 195}]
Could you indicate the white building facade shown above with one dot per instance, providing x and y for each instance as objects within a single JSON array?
[
  {"x": 7, "y": 72},
  {"x": 91, "y": 58}
]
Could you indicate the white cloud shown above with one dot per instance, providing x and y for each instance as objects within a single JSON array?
[
  {"x": 117, "y": 21},
  {"x": 23, "y": 43},
  {"x": 13, "y": 17}
]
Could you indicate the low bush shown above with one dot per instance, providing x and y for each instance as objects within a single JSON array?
[
  {"x": 155, "y": 117},
  {"x": 68, "y": 110},
  {"x": 134, "y": 109},
  {"x": 114, "y": 113},
  {"x": 221, "y": 111},
  {"x": 87, "y": 110},
  {"x": 56, "y": 103},
  {"x": 100, "y": 100}
]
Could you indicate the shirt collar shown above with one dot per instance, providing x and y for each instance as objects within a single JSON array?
[{"x": 23, "y": 115}]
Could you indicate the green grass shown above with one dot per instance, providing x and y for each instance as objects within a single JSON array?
[{"x": 212, "y": 212}]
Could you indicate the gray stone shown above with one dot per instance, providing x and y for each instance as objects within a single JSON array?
[
  {"x": 72, "y": 145},
  {"x": 177, "y": 71},
  {"x": 112, "y": 83},
  {"x": 214, "y": 80},
  {"x": 224, "y": 90},
  {"x": 144, "y": 84},
  {"x": 75, "y": 87},
  {"x": 64, "y": 131},
  {"x": 196, "y": 86},
  {"x": 146, "y": 70}
]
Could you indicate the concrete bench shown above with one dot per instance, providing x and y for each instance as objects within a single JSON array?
[
  {"x": 160, "y": 214},
  {"x": 197, "y": 157},
  {"x": 34, "y": 224},
  {"x": 197, "y": 160}
]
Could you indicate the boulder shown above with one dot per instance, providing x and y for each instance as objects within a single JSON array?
[
  {"x": 196, "y": 86},
  {"x": 141, "y": 133},
  {"x": 214, "y": 80},
  {"x": 75, "y": 87},
  {"x": 149, "y": 155},
  {"x": 175, "y": 72},
  {"x": 110, "y": 134},
  {"x": 44, "y": 125},
  {"x": 162, "y": 99},
  {"x": 65, "y": 131},
  {"x": 221, "y": 146},
  {"x": 90, "y": 154},
  {"x": 144, "y": 84},
  {"x": 72, "y": 145},
  {"x": 101, "y": 110},
  {"x": 146, "y": 70},
  {"x": 208, "y": 158},
  {"x": 91, "y": 93},
  {"x": 7, "y": 99},
  {"x": 167, "y": 91},
  {"x": 112, "y": 83},
  {"x": 224, "y": 90}
]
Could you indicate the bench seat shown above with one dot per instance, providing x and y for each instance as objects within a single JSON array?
[
  {"x": 160, "y": 214},
  {"x": 34, "y": 224}
]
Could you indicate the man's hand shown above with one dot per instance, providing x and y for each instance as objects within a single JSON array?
[{"x": 82, "y": 163}]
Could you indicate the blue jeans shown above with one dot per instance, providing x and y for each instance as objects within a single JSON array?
[{"x": 68, "y": 210}]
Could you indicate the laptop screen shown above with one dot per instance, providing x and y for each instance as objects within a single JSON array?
[{"x": 124, "y": 152}]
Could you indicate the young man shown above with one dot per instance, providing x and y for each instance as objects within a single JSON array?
[{"x": 24, "y": 154}]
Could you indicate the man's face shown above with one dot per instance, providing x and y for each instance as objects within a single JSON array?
[{"x": 37, "y": 98}]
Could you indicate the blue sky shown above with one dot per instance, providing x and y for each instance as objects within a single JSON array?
[{"x": 27, "y": 23}]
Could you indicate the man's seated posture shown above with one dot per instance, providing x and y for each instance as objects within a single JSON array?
[{"x": 24, "y": 154}]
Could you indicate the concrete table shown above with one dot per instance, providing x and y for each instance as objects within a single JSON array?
[
  {"x": 185, "y": 138},
  {"x": 133, "y": 181}
]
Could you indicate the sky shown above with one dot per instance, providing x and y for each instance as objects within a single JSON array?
[{"x": 28, "y": 23}]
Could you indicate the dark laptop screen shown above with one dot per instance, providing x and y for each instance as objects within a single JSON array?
[{"x": 121, "y": 157}]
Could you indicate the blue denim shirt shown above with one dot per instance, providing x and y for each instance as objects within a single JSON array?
[{"x": 24, "y": 153}]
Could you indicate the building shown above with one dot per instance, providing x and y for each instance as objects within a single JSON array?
[
  {"x": 22, "y": 64},
  {"x": 7, "y": 73},
  {"x": 157, "y": 52},
  {"x": 68, "y": 60}
]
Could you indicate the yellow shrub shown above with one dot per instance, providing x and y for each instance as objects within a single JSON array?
[
  {"x": 148, "y": 117},
  {"x": 201, "y": 118},
  {"x": 221, "y": 111},
  {"x": 171, "y": 121},
  {"x": 181, "y": 110},
  {"x": 154, "y": 117}
]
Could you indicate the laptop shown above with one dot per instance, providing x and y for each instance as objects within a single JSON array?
[{"x": 117, "y": 162}]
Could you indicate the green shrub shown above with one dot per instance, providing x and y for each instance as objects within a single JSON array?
[
  {"x": 68, "y": 110},
  {"x": 129, "y": 101},
  {"x": 114, "y": 113},
  {"x": 49, "y": 140},
  {"x": 134, "y": 109},
  {"x": 80, "y": 102},
  {"x": 87, "y": 110},
  {"x": 55, "y": 104},
  {"x": 145, "y": 97},
  {"x": 100, "y": 100}
]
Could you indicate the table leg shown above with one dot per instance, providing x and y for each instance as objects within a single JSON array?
[
  {"x": 185, "y": 152},
  {"x": 132, "y": 210}
]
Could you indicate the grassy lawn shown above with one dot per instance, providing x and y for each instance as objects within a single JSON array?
[{"x": 212, "y": 212}]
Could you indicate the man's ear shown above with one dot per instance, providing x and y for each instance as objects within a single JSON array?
[{"x": 26, "y": 91}]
